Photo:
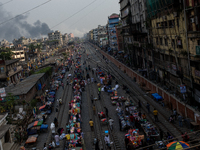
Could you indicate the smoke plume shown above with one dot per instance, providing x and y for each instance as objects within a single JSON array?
[{"x": 20, "y": 27}]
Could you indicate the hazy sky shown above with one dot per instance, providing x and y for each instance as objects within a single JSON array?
[{"x": 41, "y": 20}]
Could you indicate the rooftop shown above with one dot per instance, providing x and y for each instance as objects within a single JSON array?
[
  {"x": 25, "y": 85},
  {"x": 8, "y": 62}
]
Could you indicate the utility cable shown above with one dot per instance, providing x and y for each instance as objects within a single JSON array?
[
  {"x": 87, "y": 13},
  {"x": 6, "y": 3},
  {"x": 73, "y": 14},
  {"x": 25, "y": 12}
]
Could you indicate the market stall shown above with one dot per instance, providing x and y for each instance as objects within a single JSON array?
[{"x": 134, "y": 137}]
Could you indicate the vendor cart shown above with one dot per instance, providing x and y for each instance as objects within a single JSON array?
[
  {"x": 31, "y": 141},
  {"x": 102, "y": 117}
]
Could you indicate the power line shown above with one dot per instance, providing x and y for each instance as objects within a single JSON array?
[
  {"x": 87, "y": 13},
  {"x": 6, "y": 3},
  {"x": 25, "y": 12},
  {"x": 73, "y": 14}
]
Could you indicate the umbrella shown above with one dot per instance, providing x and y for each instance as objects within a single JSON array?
[
  {"x": 42, "y": 107},
  {"x": 177, "y": 145}
]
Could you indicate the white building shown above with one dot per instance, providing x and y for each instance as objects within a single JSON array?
[
  {"x": 4, "y": 42},
  {"x": 19, "y": 54}
]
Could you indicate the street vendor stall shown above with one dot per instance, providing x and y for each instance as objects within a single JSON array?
[
  {"x": 134, "y": 137},
  {"x": 31, "y": 141}
]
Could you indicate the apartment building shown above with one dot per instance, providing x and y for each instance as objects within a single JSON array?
[
  {"x": 113, "y": 20},
  {"x": 56, "y": 36},
  {"x": 95, "y": 35},
  {"x": 19, "y": 54},
  {"x": 102, "y": 36}
]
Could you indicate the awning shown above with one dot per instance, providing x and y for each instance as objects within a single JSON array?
[
  {"x": 36, "y": 123},
  {"x": 42, "y": 107},
  {"x": 157, "y": 96}
]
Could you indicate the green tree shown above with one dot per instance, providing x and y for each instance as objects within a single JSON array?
[
  {"x": 6, "y": 55},
  {"x": 10, "y": 102},
  {"x": 31, "y": 47}
]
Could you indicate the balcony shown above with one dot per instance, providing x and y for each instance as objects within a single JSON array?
[{"x": 14, "y": 70}]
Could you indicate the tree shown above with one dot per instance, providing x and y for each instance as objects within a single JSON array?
[
  {"x": 31, "y": 47},
  {"x": 6, "y": 55},
  {"x": 10, "y": 102}
]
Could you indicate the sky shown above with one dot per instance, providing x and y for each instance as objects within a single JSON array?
[{"x": 77, "y": 17}]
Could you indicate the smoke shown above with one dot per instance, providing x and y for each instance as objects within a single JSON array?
[{"x": 20, "y": 27}]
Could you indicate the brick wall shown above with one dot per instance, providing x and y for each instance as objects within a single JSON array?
[{"x": 168, "y": 98}]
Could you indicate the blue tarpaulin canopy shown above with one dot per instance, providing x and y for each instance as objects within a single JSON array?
[{"x": 157, "y": 96}]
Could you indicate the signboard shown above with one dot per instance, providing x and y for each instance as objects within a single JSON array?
[
  {"x": 183, "y": 88},
  {"x": 198, "y": 50},
  {"x": 2, "y": 92}
]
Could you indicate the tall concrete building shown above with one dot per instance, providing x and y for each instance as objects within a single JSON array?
[
  {"x": 95, "y": 35},
  {"x": 102, "y": 36},
  {"x": 113, "y": 21},
  {"x": 56, "y": 36}
]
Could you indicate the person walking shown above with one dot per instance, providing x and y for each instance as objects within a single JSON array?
[
  {"x": 91, "y": 123},
  {"x": 111, "y": 123},
  {"x": 180, "y": 118},
  {"x": 161, "y": 134},
  {"x": 107, "y": 140},
  {"x": 174, "y": 114},
  {"x": 97, "y": 145},
  {"x": 139, "y": 104},
  {"x": 148, "y": 107},
  {"x": 62, "y": 85},
  {"x": 106, "y": 109},
  {"x": 120, "y": 125},
  {"x": 155, "y": 113},
  {"x": 94, "y": 109},
  {"x": 132, "y": 120},
  {"x": 92, "y": 99}
]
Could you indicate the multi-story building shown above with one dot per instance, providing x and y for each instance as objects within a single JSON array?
[
  {"x": 139, "y": 34},
  {"x": 113, "y": 21},
  {"x": 4, "y": 43},
  {"x": 23, "y": 41},
  {"x": 125, "y": 10},
  {"x": 91, "y": 35},
  {"x": 102, "y": 36},
  {"x": 10, "y": 71},
  {"x": 119, "y": 37},
  {"x": 168, "y": 36},
  {"x": 95, "y": 35},
  {"x": 192, "y": 11},
  {"x": 19, "y": 54},
  {"x": 65, "y": 38},
  {"x": 56, "y": 36}
]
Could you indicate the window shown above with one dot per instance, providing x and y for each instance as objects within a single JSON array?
[
  {"x": 2, "y": 70},
  {"x": 173, "y": 43},
  {"x": 171, "y": 23},
  {"x": 177, "y": 21},
  {"x": 157, "y": 41},
  {"x": 198, "y": 41},
  {"x": 161, "y": 41},
  {"x": 166, "y": 42},
  {"x": 179, "y": 43}
]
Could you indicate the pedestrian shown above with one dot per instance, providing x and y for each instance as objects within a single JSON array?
[
  {"x": 120, "y": 125},
  {"x": 107, "y": 140},
  {"x": 99, "y": 90},
  {"x": 155, "y": 113},
  {"x": 52, "y": 127},
  {"x": 106, "y": 109},
  {"x": 132, "y": 120},
  {"x": 57, "y": 139},
  {"x": 140, "y": 114},
  {"x": 92, "y": 80},
  {"x": 161, "y": 134},
  {"x": 99, "y": 95},
  {"x": 94, "y": 109},
  {"x": 45, "y": 147},
  {"x": 175, "y": 114},
  {"x": 126, "y": 142},
  {"x": 91, "y": 123},
  {"x": 139, "y": 104},
  {"x": 97, "y": 145},
  {"x": 62, "y": 85},
  {"x": 111, "y": 123},
  {"x": 180, "y": 118},
  {"x": 67, "y": 128},
  {"x": 148, "y": 107},
  {"x": 92, "y": 99}
]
